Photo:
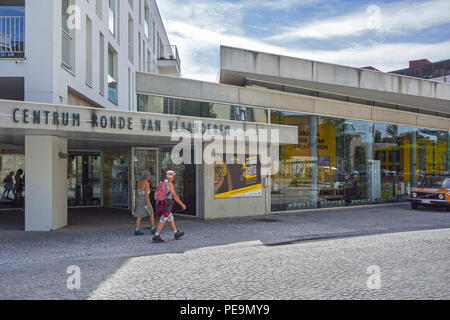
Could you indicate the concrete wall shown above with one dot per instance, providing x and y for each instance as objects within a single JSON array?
[
  {"x": 228, "y": 208},
  {"x": 239, "y": 64},
  {"x": 247, "y": 61}
]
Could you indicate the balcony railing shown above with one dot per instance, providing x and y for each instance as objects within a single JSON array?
[
  {"x": 12, "y": 37},
  {"x": 170, "y": 53}
]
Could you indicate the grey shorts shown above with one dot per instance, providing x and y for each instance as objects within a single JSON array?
[{"x": 166, "y": 219}]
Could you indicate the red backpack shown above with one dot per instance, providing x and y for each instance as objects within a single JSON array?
[{"x": 160, "y": 192}]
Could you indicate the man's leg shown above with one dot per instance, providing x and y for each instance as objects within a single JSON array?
[
  {"x": 172, "y": 225},
  {"x": 160, "y": 227}
]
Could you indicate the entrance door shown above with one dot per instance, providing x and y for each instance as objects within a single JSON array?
[{"x": 84, "y": 179}]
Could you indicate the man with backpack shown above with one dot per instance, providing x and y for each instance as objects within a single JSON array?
[{"x": 165, "y": 196}]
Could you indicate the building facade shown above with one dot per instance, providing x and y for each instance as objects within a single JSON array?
[
  {"x": 345, "y": 136},
  {"x": 437, "y": 71},
  {"x": 79, "y": 52}
]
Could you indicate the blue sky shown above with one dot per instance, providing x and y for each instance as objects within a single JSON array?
[{"x": 382, "y": 34}]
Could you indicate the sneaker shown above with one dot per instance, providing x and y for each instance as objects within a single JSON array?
[
  {"x": 138, "y": 233},
  {"x": 157, "y": 239},
  {"x": 178, "y": 235},
  {"x": 153, "y": 230}
]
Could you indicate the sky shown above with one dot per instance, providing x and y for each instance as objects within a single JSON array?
[{"x": 358, "y": 33}]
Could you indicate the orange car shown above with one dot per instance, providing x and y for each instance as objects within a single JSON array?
[{"x": 433, "y": 191}]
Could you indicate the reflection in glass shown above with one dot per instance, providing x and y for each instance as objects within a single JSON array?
[
  {"x": 184, "y": 182},
  {"x": 344, "y": 162},
  {"x": 153, "y": 104},
  {"x": 84, "y": 179},
  {"x": 115, "y": 171}
]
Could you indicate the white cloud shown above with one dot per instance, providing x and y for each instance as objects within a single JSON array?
[
  {"x": 200, "y": 46},
  {"x": 199, "y": 27},
  {"x": 394, "y": 18},
  {"x": 277, "y": 4}
]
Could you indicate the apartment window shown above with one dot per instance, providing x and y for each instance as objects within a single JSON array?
[
  {"x": 130, "y": 38},
  {"x": 154, "y": 37},
  {"x": 140, "y": 12},
  {"x": 112, "y": 17},
  {"x": 149, "y": 61},
  {"x": 140, "y": 52},
  {"x": 102, "y": 64},
  {"x": 99, "y": 8},
  {"x": 88, "y": 51},
  {"x": 68, "y": 39},
  {"x": 129, "y": 89},
  {"x": 112, "y": 75},
  {"x": 147, "y": 22},
  {"x": 143, "y": 55}
]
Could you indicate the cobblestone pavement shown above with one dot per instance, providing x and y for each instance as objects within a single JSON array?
[{"x": 290, "y": 258}]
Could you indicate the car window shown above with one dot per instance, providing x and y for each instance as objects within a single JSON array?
[{"x": 446, "y": 183}]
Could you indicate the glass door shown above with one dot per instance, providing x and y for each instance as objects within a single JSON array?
[
  {"x": 115, "y": 179},
  {"x": 84, "y": 179},
  {"x": 145, "y": 159}
]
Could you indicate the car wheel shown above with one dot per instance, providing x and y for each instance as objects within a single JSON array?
[{"x": 414, "y": 206}]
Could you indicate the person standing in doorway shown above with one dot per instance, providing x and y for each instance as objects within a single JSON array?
[
  {"x": 164, "y": 207},
  {"x": 143, "y": 208},
  {"x": 9, "y": 185},
  {"x": 18, "y": 186}
]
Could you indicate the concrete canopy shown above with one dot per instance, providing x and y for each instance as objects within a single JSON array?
[
  {"x": 238, "y": 65},
  {"x": 92, "y": 128}
]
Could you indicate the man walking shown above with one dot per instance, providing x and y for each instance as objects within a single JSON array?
[{"x": 164, "y": 207}]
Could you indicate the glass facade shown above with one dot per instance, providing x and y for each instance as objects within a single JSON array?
[
  {"x": 185, "y": 181},
  {"x": 343, "y": 162},
  {"x": 84, "y": 179},
  {"x": 154, "y": 104}
]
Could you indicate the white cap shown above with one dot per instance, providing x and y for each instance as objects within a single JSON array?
[{"x": 170, "y": 173}]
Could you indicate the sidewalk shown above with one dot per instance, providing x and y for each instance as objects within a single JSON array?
[{"x": 108, "y": 233}]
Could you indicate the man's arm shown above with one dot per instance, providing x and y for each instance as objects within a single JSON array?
[{"x": 175, "y": 196}]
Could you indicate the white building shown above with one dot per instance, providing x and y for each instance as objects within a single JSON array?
[{"x": 81, "y": 52}]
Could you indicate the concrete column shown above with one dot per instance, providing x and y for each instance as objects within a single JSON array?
[
  {"x": 448, "y": 154},
  {"x": 46, "y": 183},
  {"x": 314, "y": 192},
  {"x": 413, "y": 159},
  {"x": 368, "y": 148}
]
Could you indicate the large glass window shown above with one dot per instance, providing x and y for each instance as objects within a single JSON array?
[
  {"x": 295, "y": 186},
  {"x": 112, "y": 17},
  {"x": 68, "y": 38},
  {"x": 112, "y": 75},
  {"x": 154, "y": 104},
  {"x": 343, "y": 162},
  {"x": 185, "y": 182}
]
